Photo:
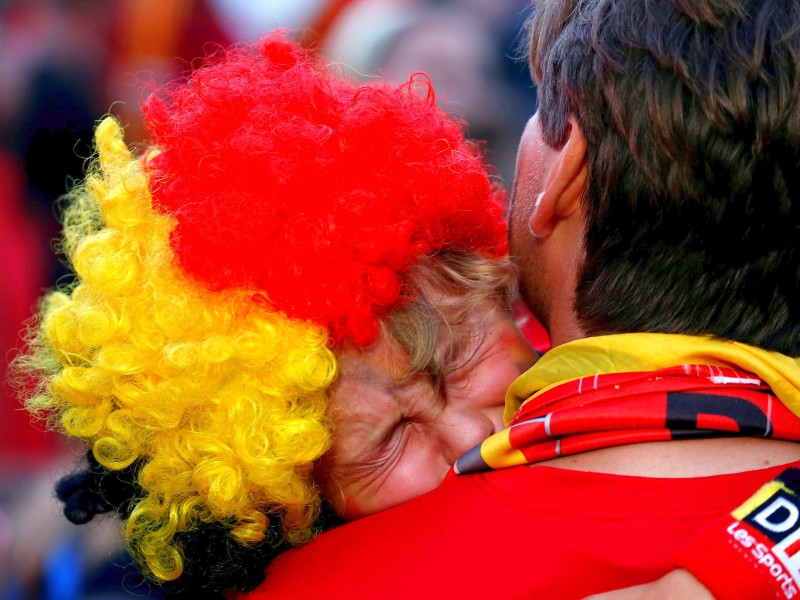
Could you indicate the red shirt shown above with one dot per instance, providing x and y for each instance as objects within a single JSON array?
[{"x": 525, "y": 532}]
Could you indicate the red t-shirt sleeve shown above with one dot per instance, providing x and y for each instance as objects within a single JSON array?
[{"x": 755, "y": 551}]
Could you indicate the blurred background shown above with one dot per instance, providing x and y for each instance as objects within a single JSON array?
[{"x": 66, "y": 63}]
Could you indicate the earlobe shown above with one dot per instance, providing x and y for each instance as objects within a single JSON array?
[
  {"x": 539, "y": 220},
  {"x": 565, "y": 179}
]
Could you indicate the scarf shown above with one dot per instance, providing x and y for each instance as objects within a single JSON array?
[{"x": 622, "y": 389}]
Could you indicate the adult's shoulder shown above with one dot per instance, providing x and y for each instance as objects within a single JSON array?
[
  {"x": 408, "y": 547},
  {"x": 579, "y": 533}
]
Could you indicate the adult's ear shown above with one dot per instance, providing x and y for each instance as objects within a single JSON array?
[{"x": 564, "y": 175}]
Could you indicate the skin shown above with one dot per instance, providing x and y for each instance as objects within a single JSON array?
[
  {"x": 401, "y": 443},
  {"x": 676, "y": 585},
  {"x": 524, "y": 242},
  {"x": 546, "y": 226}
]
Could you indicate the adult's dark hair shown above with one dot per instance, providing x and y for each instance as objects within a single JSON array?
[{"x": 691, "y": 113}]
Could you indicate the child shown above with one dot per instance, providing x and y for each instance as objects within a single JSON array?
[
  {"x": 242, "y": 285},
  {"x": 432, "y": 384}
]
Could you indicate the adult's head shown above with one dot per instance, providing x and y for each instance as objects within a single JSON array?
[
  {"x": 677, "y": 127},
  {"x": 278, "y": 218}
]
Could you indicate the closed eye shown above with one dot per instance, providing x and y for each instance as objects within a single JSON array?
[{"x": 375, "y": 457}]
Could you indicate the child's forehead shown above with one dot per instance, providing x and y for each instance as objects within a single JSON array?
[{"x": 373, "y": 386}]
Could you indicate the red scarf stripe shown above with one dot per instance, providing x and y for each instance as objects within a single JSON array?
[{"x": 689, "y": 401}]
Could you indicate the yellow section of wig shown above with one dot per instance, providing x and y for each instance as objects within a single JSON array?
[{"x": 223, "y": 400}]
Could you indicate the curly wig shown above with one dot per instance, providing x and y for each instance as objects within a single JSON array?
[{"x": 276, "y": 214}]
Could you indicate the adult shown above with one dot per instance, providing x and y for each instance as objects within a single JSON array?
[{"x": 654, "y": 216}]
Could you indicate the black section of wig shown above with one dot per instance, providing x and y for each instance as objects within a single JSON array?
[
  {"x": 97, "y": 490},
  {"x": 213, "y": 560}
]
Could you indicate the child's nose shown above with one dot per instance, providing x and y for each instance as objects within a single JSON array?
[{"x": 459, "y": 432}]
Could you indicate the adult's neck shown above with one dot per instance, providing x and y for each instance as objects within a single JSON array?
[
  {"x": 565, "y": 333},
  {"x": 562, "y": 324}
]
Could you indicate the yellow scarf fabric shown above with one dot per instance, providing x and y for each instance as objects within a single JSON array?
[{"x": 648, "y": 352}]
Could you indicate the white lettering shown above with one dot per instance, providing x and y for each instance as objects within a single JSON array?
[
  {"x": 776, "y": 564},
  {"x": 760, "y": 550},
  {"x": 763, "y": 517},
  {"x": 790, "y": 543},
  {"x": 744, "y": 538}
]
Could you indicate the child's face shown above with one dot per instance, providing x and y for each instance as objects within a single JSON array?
[{"x": 396, "y": 438}]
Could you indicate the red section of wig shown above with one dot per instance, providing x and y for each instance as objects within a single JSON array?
[{"x": 287, "y": 178}]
